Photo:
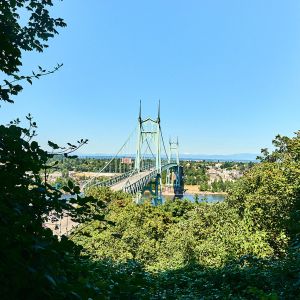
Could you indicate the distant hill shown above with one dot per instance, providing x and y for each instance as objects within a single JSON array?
[
  {"x": 222, "y": 157},
  {"x": 211, "y": 157}
]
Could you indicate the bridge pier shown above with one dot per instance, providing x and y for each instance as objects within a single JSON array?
[
  {"x": 151, "y": 191},
  {"x": 178, "y": 184}
]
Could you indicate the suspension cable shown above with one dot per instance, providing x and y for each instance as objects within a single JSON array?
[
  {"x": 90, "y": 180},
  {"x": 163, "y": 142},
  {"x": 118, "y": 151}
]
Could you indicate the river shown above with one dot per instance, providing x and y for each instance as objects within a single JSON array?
[{"x": 211, "y": 198}]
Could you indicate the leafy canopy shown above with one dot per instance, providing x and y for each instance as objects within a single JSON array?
[{"x": 16, "y": 38}]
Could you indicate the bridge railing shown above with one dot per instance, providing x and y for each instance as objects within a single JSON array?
[
  {"x": 112, "y": 181},
  {"x": 133, "y": 188},
  {"x": 127, "y": 188}
]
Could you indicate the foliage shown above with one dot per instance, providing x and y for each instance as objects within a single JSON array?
[
  {"x": 195, "y": 173},
  {"x": 221, "y": 186},
  {"x": 244, "y": 248},
  {"x": 173, "y": 235},
  {"x": 106, "y": 194},
  {"x": 268, "y": 197},
  {"x": 16, "y": 38},
  {"x": 34, "y": 263}
]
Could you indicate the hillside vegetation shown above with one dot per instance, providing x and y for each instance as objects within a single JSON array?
[{"x": 245, "y": 248}]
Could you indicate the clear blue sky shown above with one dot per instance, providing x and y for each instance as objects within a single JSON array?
[{"x": 227, "y": 73}]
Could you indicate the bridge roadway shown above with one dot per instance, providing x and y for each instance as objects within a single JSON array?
[
  {"x": 134, "y": 183},
  {"x": 119, "y": 186}
]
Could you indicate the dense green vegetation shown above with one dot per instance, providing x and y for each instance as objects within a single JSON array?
[
  {"x": 173, "y": 235},
  {"x": 246, "y": 247},
  {"x": 34, "y": 264},
  {"x": 195, "y": 174}
]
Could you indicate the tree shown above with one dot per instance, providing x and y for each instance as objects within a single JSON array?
[
  {"x": 244, "y": 248},
  {"x": 34, "y": 263},
  {"x": 16, "y": 38},
  {"x": 268, "y": 195}
]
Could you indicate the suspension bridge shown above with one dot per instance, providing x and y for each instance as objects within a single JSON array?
[{"x": 141, "y": 174}]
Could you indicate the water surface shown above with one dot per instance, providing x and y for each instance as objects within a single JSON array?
[{"x": 211, "y": 198}]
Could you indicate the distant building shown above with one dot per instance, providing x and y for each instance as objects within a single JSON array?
[{"x": 126, "y": 160}]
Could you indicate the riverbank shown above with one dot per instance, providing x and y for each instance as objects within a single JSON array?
[{"x": 193, "y": 190}]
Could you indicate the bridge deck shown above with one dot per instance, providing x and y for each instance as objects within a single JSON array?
[{"x": 130, "y": 180}]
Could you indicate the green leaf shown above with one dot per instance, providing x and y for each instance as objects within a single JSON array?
[
  {"x": 77, "y": 189},
  {"x": 70, "y": 184},
  {"x": 66, "y": 189},
  {"x": 34, "y": 145},
  {"x": 53, "y": 145}
]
